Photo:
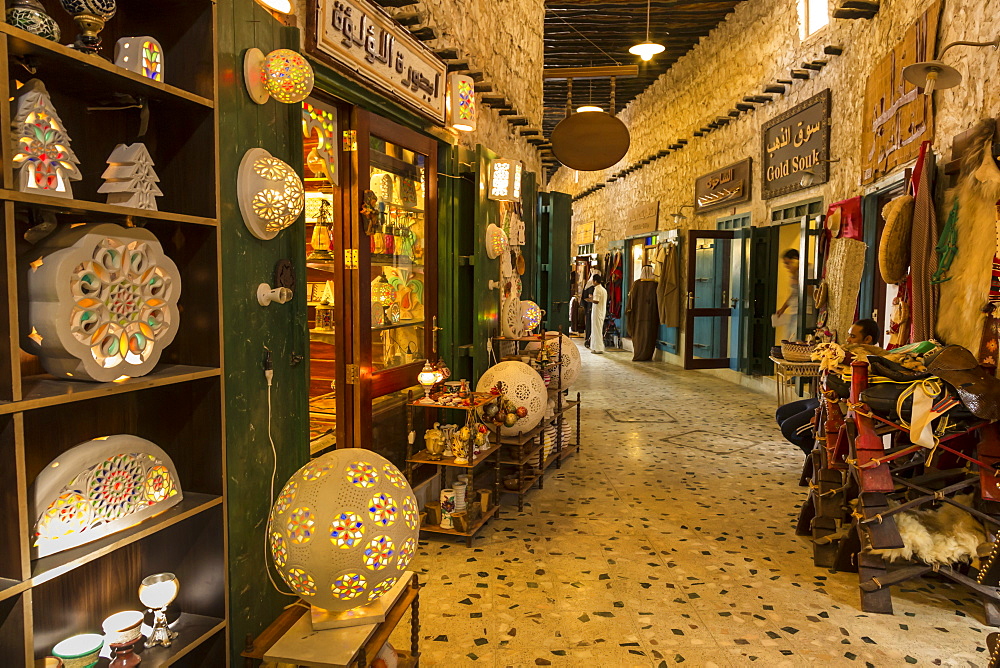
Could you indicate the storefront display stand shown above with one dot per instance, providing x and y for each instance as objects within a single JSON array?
[
  {"x": 534, "y": 439},
  {"x": 565, "y": 450},
  {"x": 784, "y": 371},
  {"x": 359, "y": 643}
]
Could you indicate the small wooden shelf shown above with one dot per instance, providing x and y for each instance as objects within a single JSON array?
[
  {"x": 526, "y": 484},
  {"x": 527, "y": 436},
  {"x": 56, "y": 565},
  {"x": 87, "y": 209},
  {"x": 480, "y": 399},
  {"x": 531, "y": 455},
  {"x": 192, "y": 631},
  {"x": 10, "y": 588},
  {"x": 89, "y": 77},
  {"x": 400, "y": 262},
  {"x": 43, "y": 391},
  {"x": 567, "y": 406},
  {"x": 433, "y": 528},
  {"x": 420, "y": 458}
]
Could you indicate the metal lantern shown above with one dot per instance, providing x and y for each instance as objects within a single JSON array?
[{"x": 342, "y": 533}]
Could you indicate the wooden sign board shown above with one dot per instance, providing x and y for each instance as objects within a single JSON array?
[
  {"x": 898, "y": 117},
  {"x": 642, "y": 219},
  {"x": 584, "y": 233},
  {"x": 793, "y": 142},
  {"x": 723, "y": 187},
  {"x": 362, "y": 41}
]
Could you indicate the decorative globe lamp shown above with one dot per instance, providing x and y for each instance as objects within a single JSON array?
[
  {"x": 427, "y": 378},
  {"x": 90, "y": 17},
  {"x": 283, "y": 74},
  {"x": 156, "y": 592},
  {"x": 531, "y": 316},
  {"x": 523, "y": 385},
  {"x": 342, "y": 534},
  {"x": 30, "y": 15}
]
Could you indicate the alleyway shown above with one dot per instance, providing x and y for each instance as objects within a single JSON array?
[{"x": 670, "y": 540}]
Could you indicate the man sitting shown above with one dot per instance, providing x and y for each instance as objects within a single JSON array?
[{"x": 796, "y": 418}]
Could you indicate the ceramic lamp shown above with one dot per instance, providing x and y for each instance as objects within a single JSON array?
[
  {"x": 496, "y": 241},
  {"x": 505, "y": 180},
  {"x": 30, "y": 15},
  {"x": 342, "y": 533},
  {"x": 523, "y": 386},
  {"x": 282, "y": 74},
  {"x": 270, "y": 193},
  {"x": 156, "y": 592},
  {"x": 79, "y": 651},
  {"x": 123, "y": 628},
  {"x": 90, "y": 17},
  {"x": 142, "y": 55},
  {"x": 461, "y": 102},
  {"x": 531, "y": 316}
]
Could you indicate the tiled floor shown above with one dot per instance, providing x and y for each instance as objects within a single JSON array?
[{"x": 670, "y": 540}]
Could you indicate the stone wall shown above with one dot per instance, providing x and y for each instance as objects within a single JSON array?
[
  {"x": 503, "y": 40},
  {"x": 757, "y": 44}
]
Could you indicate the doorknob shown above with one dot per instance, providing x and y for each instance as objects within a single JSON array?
[
  {"x": 734, "y": 302},
  {"x": 690, "y": 300}
]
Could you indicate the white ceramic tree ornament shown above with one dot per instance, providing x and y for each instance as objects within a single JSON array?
[
  {"x": 42, "y": 152},
  {"x": 142, "y": 55},
  {"x": 270, "y": 193},
  {"x": 101, "y": 302},
  {"x": 130, "y": 179}
]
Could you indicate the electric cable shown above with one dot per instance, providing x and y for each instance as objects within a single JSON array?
[{"x": 269, "y": 376}]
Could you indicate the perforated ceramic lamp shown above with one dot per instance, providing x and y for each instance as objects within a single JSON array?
[
  {"x": 142, "y": 55},
  {"x": 523, "y": 386},
  {"x": 282, "y": 74},
  {"x": 496, "y": 241},
  {"x": 505, "y": 180},
  {"x": 569, "y": 357},
  {"x": 342, "y": 533},
  {"x": 270, "y": 193}
]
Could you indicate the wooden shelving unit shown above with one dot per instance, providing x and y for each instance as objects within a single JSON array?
[{"x": 177, "y": 406}]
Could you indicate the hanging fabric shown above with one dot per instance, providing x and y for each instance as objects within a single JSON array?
[
  {"x": 668, "y": 291},
  {"x": 923, "y": 253},
  {"x": 643, "y": 318}
]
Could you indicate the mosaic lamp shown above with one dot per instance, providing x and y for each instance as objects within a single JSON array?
[
  {"x": 30, "y": 15},
  {"x": 283, "y": 74},
  {"x": 461, "y": 102},
  {"x": 90, "y": 17},
  {"x": 270, "y": 194},
  {"x": 505, "y": 180},
  {"x": 342, "y": 534},
  {"x": 156, "y": 592},
  {"x": 531, "y": 316}
]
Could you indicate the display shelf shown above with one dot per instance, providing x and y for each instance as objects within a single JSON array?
[
  {"x": 526, "y": 436},
  {"x": 473, "y": 529},
  {"x": 569, "y": 450},
  {"x": 329, "y": 267},
  {"x": 109, "y": 212},
  {"x": 526, "y": 485},
  {"x": 531, "y": 454},
  {"x": 567, "y": 406},
  {"x": 44, "y": 391},
  {"x": 450, "y": 461},
  {"x": 88, "y": 77},
  {"x": 480, "y": 400},
  {"x": 192, "y": 631},
  {"x": 9, "y": 588},
  {"x": 55, "y": 565}
]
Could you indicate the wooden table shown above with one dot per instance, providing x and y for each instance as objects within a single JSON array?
[
  {"x": 784, "y": 371},
  {"x": 290, "y": 638}
]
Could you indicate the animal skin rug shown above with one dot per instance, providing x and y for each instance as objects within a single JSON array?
[
  {"x": 960, "y": 313},
  {"x": 942, "y": 536}
]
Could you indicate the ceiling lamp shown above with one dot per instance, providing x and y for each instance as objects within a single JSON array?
[
  {"x": 935, "y": 75},
  {"x": 280, "y": 6},
  {"x": 587, "y": 107},
  {"x": 647, "y": 49}
]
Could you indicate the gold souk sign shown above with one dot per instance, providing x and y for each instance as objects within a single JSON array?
[
  {"x": 723, "y": 187},
  {"x": 796, "y": 141},
  {"x": 364, "y": 42}
]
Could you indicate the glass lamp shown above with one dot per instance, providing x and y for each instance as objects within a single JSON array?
[
  {"x": 427, "y": 378},
  {"x": 90, "y": 17},
  {"x": 30, "y": 15},
  {"x": 156, "y": 592},
  {"x": 283, "y": 74}
]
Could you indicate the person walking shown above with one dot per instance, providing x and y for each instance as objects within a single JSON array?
[{"x": 599, "y": 308}]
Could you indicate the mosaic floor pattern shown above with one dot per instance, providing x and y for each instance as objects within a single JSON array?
[{"x": 671, "y": 544}]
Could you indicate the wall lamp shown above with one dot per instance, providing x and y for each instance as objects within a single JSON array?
[
  {"x": 809, "y": 175},
  {"x": 935, "y": 75},
  {"x": 280, "y": 6},
  {"x": 679, "y": 216}
]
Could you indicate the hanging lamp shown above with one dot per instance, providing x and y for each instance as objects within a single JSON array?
[
  {"x": 589, "y": 141},
  {"x": 647, "y": 49}
]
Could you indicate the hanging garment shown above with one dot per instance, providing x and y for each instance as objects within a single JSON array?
[
  {"x": 643, "y": 318},
  {"x": 668, "y": 294},
  {"x": 923, "y": 255},
  {"x": 614, "y": 285},
  {"x": 597, "y": 312},
  {"x": 848, "y": 219}
]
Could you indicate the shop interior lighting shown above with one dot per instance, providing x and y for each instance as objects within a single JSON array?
[
  {"x": 279, "y": 6},
  {"x": 935, "y": 75},
  {"x": 647, "y": 49},
  {"x": 809, "y": 175}
]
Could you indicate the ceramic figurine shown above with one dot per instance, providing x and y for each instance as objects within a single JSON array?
[
  {"x": 461, "y": 450},
  {"x": 434, "y": 442}
]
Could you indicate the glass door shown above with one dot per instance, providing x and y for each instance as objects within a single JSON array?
[
  {"x": 395, "y": 236},
  {"x": 707, "y": 324}
]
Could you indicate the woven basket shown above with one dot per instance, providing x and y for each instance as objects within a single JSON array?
[
  {"x": 776, "y": 352},
  {"x": 796, "y": 351}
]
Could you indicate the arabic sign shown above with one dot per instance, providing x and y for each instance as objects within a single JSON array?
[
  {"x": 723, "y": 187},
  {"x": 363, "y": 41},
  {"x": 796, "y": 141},
  {"x": 642, "y": 220},
  {"x": 897, "y": 118},
  {"x": 584, "y": 233}
]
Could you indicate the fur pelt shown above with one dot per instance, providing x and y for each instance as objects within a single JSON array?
[
  {"x": 942, "y": 536},
  {"x": 960, "y": 313}
]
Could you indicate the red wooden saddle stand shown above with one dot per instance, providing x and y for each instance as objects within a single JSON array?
[{"x": 851, "y": 467}]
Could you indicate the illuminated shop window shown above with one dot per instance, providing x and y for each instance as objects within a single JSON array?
[{"x": 813, "y": 15}]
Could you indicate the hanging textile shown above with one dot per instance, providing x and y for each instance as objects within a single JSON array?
[
  {"x": 844, "y": 219},
  {"x": 923, "y": 256},
  {"x": 643, "y": 319},
  {"x": 614, "y": 285},
  {"x": 845, "y": 264},
  {"x": 668, "y": 292}
]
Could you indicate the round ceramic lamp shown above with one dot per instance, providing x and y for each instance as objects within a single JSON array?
[
  {"x": 569, "y": 369},
  {"x": 283, "y": 74},
  {"x": 343, "y": 531},
  {"x": 270, "y": 193},
  {"x": 531, "y": 316},
  {"x": 496, "y": 241},
  {"x": 523, "y": 386}
]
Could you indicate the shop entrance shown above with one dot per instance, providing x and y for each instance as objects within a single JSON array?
[{"x": 709, "y": 309}]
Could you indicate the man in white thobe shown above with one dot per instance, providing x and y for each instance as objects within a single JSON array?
[{"x": 599, "y": 308}]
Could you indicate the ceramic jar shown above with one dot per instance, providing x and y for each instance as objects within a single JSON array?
[{"x": 447, "y": 508}]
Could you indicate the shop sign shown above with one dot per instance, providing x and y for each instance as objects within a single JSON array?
[
  {"x": 796, "y": 141},
  {"x": 723, "y": 187},
  {"x": 361, "y": 40},
  {"x": 642, "y": 219},
  {"x": 897, "y": 116},
  {"x": 584, "y": 233}
]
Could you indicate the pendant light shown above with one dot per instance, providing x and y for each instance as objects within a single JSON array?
[
  {"x": 647, "y": 49},
  {"x": 280, "y": 6}
]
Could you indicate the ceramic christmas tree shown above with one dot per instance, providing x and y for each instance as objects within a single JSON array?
[
  {"x": 41, "y": 145},
  {"x": 130, "y": 179}
]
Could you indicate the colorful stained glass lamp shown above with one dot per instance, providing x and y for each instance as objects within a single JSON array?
[
  {"x": 142, "y": 55},
  {"x": 99, "y": 488},
  {"x": 461, "y": 102},
  {"x": 342, "y": 534},
  {"x": 283, "y": 74}
]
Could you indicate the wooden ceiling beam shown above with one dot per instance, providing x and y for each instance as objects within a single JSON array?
[{"x": 606, "y": 72}]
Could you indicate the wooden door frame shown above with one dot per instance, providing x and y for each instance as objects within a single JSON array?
[{"x": 691, "y": 312}]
